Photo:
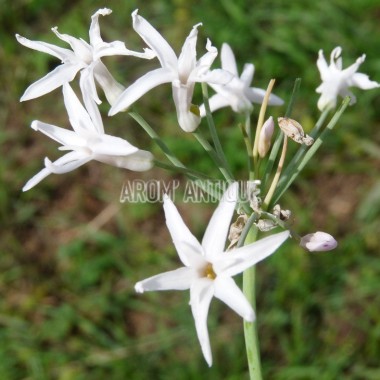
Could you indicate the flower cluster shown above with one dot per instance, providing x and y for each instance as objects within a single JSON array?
[{"x": 208, "y": 267}]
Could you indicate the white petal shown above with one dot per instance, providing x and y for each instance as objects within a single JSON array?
[
  {"x": 216, "y": 101},
  {"x": 322, "y": 65},
  {"x": 90, "y": 99},
  {"x": 215, "y": 236},
  {"x": 155, "y": 41},
  {"x": 81, "y": 48},
  {"x": 188, "y": 56},
  {"x": 61, "y": 135},
  {"x": 247, "y": 74},
  {"x": 94, "y": 32},
  {"x": 67, "y": 163},
  {"x": 112, "y": 145},
  {"x": 140, "y": 161},
  {"x": 179, "y": 279},
  {"x": 36, "y": 179},
  {"x": 201, "y": 293},
  {"x": 238, "y": 260},
  {"x": 187, "y": 119},
  {"x": 228, "y": 59},
  {"x": 65, "y": 55},
  {"x": 62, "y": 74},
  {"x": 202, "y": 67},
  {"x": 212, "y": 77},
  {"x": 112, "y": 89},
  {"x": 188, "y": 248},
  {"x": 87, "y": 83},
  {"x": 78, "y": 116},
  {"x": 228, "y": 292},
  {"x": 118, "y": 48},
  {"x": 335, "y": 60},
  {"x": 140, "y": 87},
  {"x": 328, "y": 96},
  {"x": 362, "y": 81},
  {"x": 256, "y": 95}
]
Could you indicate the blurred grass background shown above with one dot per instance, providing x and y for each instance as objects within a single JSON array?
[{"x": 70, "y": 252}]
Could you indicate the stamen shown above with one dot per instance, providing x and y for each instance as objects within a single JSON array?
[{"x": 209, "y": 272}]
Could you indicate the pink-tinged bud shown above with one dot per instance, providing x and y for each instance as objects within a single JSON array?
[
  {"x": 265, "y": 137},
  {"x": 318, "y": 242}
]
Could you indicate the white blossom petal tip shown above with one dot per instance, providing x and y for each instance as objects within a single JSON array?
[
  {"x": 139, "y": 287},
  {"x": 318, "y": 242}
]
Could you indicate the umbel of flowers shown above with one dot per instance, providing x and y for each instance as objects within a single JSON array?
[{"x": 208, "y": 267}]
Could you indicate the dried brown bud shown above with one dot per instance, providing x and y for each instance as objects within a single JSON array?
[
  {"x": 294, "y": 130},
  {"x": 236, "y": 229}
]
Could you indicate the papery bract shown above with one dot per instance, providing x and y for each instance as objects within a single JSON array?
[
  {"x": 336, "y": 81},
  {"x": 208, "y": 269},
  {"x": 87, "y": 142},
  {"x": 182, "y": 72},
  {"x": 84, "y": 57},
  {"x": 237, "y": 93}
]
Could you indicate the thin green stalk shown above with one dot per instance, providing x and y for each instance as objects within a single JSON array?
[
  {"x": 248, "y": 145},
  {"x": 214, "y": 156},
  {"x": 250, "y": 328},
  {"x": 312, "y": 150},
  {"x": 180, "y": 169},
  {"x": 212, "y": 129},
  {"x": 152, "y": 133}
]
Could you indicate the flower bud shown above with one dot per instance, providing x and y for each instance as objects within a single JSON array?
[
  {"x": 318, "y": 242},
  {"x": 265, "y": 137},
  {"x": 294, "y": 130}
]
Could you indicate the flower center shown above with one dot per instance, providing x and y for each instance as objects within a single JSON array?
[{"x": 209, "y": 272}]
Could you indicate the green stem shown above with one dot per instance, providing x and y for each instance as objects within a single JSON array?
[
  {"x": 250, "y": 328},
  {"x": 248, "y": 145},
  {"x": 215, "y": 157},
  {"x": 180, "y": 169},
  {"x": 211, "y": 125},
  {"x": 152, "y": 133}
]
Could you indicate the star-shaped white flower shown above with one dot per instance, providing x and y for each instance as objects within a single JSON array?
[
  {"x": 84, "y": 57},
  {"x": 208, "y": 269},
  {"x": 183, "y": 72},
  {"x": 336, "y": 81},
  {"x": 87, "y": 142},
  {"x": 237, "y": 93}
]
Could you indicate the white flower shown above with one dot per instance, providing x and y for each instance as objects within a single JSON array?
[
  {"x": 208, "y": 269},
  {"x": 318, "y": 242},
  {"x": 84, "y": 57},
  {"x": 183, "y": 72},
  {"x": 87, "y": 142},
  {"x": 237, "y": 93},
  {"x": 336, "y": 81}
]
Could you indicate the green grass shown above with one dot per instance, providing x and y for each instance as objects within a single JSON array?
[{"x": 67, "y": 305}]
